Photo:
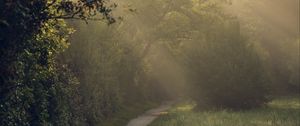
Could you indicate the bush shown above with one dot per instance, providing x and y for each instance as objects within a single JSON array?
[{"x": 226, "y": 71}]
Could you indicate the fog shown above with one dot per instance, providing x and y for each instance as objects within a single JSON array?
[
  {"x": 165, "y": 36},
  {"x": 103, "y": 62}
]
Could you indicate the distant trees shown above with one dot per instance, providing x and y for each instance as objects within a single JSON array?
[
  {"x": 222, "y": 66},
  {"x": 224, "y": 71},
  {"x": 283, "y": 64},
  {"x": 111, "y": 72},
  {"x": 276, "y": 38},
  {"x": 95, "y": 58}
]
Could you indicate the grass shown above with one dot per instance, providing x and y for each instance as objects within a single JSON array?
[{"x": 279, "y": 112}]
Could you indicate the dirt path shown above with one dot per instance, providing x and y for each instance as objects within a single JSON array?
[{"x": 146, "y": 118}]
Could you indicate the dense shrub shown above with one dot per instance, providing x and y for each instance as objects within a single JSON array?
[
  {"x": 222, "y": 66},
  {"x": 226, "y": 71},
  {"x": 34, "y": 88},
  {"x": 110, "y": 70}
]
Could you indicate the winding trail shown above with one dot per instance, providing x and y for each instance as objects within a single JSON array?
[{"x": 149, "y": 116}]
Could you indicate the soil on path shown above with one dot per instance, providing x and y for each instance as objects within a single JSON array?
[{"x": 146, "y": 118}]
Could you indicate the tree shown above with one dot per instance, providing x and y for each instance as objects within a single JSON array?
[
  {"x": 224, "y": 71},
  {"x": 34, "y": 89},
  {"x": 275, "y": 37}
]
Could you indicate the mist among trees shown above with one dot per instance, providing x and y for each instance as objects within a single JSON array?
[{"x": 87, "y": 62}]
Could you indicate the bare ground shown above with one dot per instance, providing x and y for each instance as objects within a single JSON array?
[{"x": 149, "y": 116}]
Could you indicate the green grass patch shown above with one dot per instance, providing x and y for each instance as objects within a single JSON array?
[{"x": 279, "y": 112}]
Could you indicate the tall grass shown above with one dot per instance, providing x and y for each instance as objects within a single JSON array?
[{"x": 279, "y": 112}]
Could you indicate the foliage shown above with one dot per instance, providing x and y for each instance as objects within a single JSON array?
[
  {"x": 32, "y": 90},
  {"x": 50, "y": 76},
  {"x": 223, "y": 69},
  {"x": 109, "y": 70},
  {"x": 290, "y": 64},
  {"x": 227, "y": 73},
  {"x": 275, "y": 45},
  {"x": 35, "y": 88}
]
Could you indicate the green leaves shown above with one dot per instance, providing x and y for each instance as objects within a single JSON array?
[{"x": 32, "y": 91}]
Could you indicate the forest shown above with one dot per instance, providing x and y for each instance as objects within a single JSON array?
[{"x": 106, "y": 62}]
